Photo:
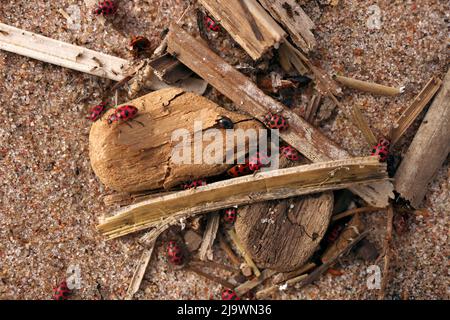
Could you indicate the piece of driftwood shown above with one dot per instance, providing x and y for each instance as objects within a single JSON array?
[
  {"x": 140, "y": 158},
  {"x": 250, "y": 99},
  {"x": 61, "y": 53},
  {"x": 169, "y": 69},
  {"x": 248, "y": 259},
  {"x": 140, "y": 271},
  {"x": 269, "y": 185},
  {"x": 387, "y": 251},
  {"x": 282, "y": 235},
  {"x": 248, "y": 23},
  {"x": 411, "y": 113},
  {"x": 352, "y": 212},
  {"x": 353, "y": 229},
  {"x": 253, "y": 283},
  {"x": 370, "y": 87},
  {"x": 291, "y": 15},
  {"x": 428, "y": 150},
  {"x": 209, "y": 236}
]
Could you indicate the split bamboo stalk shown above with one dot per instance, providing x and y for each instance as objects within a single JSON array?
[
  {"x": 269, "y": 185},
  {"x": 250, "y": 99},
  {"x": 61, "y": 53},
  {"x": 370, "y": 87},
  {"x": 428, "y": 150},
  {"x": 248, "y": 23},
  {"x": 415, "y": 108}
]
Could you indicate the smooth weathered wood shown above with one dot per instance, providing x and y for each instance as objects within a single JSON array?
[
  {"x": 370, "y": 87},
  {"x": 250, "y": 99},
  {"x": 428, "y": 150},
  {"x": 248, "y": 23},
  {"x": 269, "y": 185},
  {"x": 291, "y": 15},
  {"x": 408, "y": 116},
  {"x": 209, "y": 236},
  {"x": 282, "y": 235},
  {"x": 140, "y": 158},
  {"x": 61, "y": 53}
]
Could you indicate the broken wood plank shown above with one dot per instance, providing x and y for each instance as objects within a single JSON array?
[
  {"x": 370, "y": 87},
  {"x": 291, "y": 15},
  {"x": 209, "y": 236},
  {"x": 251, "y": 100},
  {"x": 428, "y": 150},
  {"x": 61, "y": 53},
  {"x": 411, "y": 113},
  {"x": 169, "y": 69},
  {"x": 249, "y": 24},
  {"x": 263, "y": 186}
]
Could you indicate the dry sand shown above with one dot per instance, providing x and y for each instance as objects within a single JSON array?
[{"x": 50, "y": 199}]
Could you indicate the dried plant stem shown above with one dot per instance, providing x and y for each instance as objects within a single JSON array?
[
  {"x": 387, "y": 252},
  {"x": 368, "y": 86},
  {"x": 244, "y": 253},
  {"x": 208, "y": 276},
  {"x": 253, "y": 283},
  {"x": 231, "y": 255},
  {"x": 272, "y": 289},
  {"x": 355, "y": 211},
  {"x": 282, "y": 277}
]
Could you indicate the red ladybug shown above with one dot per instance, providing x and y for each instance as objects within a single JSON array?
[
  {"x": 61, "y": 292},
  {"x": 229, "y": 294},
  {"x": 194, "y": 184},
  {"x": 139, "y": 44},
  {"x": 105, "y": 8},
  {"x": 333, "y": 235},
  {"x": 123, "y": 113},
  {"x": 174, "y": 253},
  {"x": 290, "y": 153},
  {"x": 97, "y": 111},
  {"x": 275, "y": 121},
  {"x": 225, "y": 123},
  {"x": 211, "y": 24},
  {"x": 381, "y": 149},
  {"x": 239, "y": 170},
  {"x": 230, "y": 215},
  {"x": 258, "y": 161}
]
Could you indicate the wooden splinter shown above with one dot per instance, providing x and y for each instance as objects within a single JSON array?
[{"x": 370, "y": 87}]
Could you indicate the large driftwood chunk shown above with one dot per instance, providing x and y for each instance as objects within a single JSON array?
[
  {"x": 428, "y": 151},
  {"x": 139, "y": 158},
  {"x": 282, "y": 235}
]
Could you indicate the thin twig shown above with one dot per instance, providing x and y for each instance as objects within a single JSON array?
[
  {"x": 354, "y": 211},
  {"x": 387, "y": 251}
]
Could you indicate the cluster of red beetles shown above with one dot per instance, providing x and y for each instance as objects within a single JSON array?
[{"x": 123, "y": 114}]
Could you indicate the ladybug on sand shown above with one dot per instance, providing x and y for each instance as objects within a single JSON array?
[
  {"x": 225, "y": 123},
  {"x": 258, "y": 161},
  {"x": 125, "y": 114},
  {"x": 381, "y": 149},
  {"x": 290, "y": 153},
  {"x": 230, "y": 215},
  {"x": 211, "y": 24},
  {"x": 105, "y": 8},
  {"x": 229, "y": 294},
  {"x": 61, "y": 292},
  {"x": 174, "y": 253},
  {"x": 239, "y": 170},
  {"x": 275, "y": 121},
  {"x": 97, "y": 111},
  {"x": 194, "y": 184},
  {"x": 139, "y": 44}
]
